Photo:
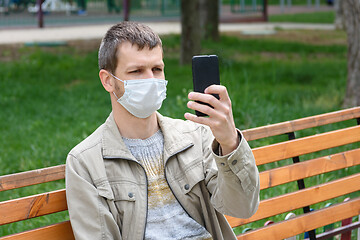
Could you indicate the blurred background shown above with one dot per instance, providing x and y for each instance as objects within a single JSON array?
[
  {"x": 282, "y": 60},
  {"x": 24, "y": 13}
]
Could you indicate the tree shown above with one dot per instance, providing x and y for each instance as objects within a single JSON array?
[
  {"x": 210, "y": 19},
  {"x": 190, "y": 30},
  {"x": 339, "y": 14},
  {"x": 199, "y": 20},
  {"x": 351, "y": 20}
]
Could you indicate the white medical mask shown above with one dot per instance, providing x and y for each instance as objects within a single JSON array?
[{"x": 142, "y": 97}]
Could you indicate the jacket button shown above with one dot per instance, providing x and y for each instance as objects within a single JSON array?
[
  {"x": 131, "y": 195},
  {"x": 187, "y": 186},
  {"x": 234, "y": 162}
]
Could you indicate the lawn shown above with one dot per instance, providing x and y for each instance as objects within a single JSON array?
[
  {"x": 51, "y": 98},
  {"x": 296, "y": 2},
  {"x": 277, "y": 2},
  {"x": 315, "y": 17}
]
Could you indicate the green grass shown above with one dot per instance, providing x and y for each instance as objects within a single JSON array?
[
  {"x": 276, "y": 2},
  {"x": 52, "y": 99},
  {"x": 296, "y": 2},
  {"x": 316, "y": 17}
]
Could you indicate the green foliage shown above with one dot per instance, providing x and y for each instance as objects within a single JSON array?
[{"x": 51, "y": 100}]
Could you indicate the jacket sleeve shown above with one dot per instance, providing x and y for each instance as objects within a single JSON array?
[
  {"x": 89, "y": 212},
  {"x": 233, "y": 180}
]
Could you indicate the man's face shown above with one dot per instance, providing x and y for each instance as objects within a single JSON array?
[{"x": 139, "y": 64}]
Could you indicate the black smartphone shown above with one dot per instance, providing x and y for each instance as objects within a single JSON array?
[{"x": 205, "y": 70}]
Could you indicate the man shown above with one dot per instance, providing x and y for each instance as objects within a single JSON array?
[{"x": 141, "y": 175}]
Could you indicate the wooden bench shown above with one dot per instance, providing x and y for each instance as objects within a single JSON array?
[{"x": 275, "y": 171}]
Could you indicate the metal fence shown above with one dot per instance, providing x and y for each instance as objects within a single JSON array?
[
  {"x": 64, "y": 12},
  {"x": 287, "y": 4},
  {"x": 24, "y": 13},
  {"x": 243, "y": 6}
]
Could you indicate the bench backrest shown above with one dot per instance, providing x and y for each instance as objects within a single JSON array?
[
  {"x": 273, "y": 173},
  {"x": 280, "y": 163},
  {"x": 20, "y": 209}
]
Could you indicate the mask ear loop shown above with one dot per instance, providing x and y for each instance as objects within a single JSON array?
[
  {"x": 120, "y": 81},
  {"x": 117, "y": 78},
  {"x": 116, "y": 96}
]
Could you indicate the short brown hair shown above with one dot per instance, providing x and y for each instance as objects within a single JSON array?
[{"x": 133, "y": 32}]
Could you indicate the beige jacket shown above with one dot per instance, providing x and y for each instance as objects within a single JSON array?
[{"x": 107, "y": 188}]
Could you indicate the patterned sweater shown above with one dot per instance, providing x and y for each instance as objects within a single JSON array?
[{"x": 166, "y": 220}]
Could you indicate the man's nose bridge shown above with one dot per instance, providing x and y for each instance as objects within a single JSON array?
[{"x": 149, "y": 73}]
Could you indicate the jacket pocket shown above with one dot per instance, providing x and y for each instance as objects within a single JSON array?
[
  {"x": 104, "y": 190},
  {"x": 123, "y": 193},
  {"x": 107, "y": 199},
  {"x": 187, "y": 188},
  {"x": 125, "y": 202},
  {"x": 190, "y": 177}
]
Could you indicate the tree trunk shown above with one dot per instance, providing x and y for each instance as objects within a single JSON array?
[
  {"x": 339, "y": 15},
  {"x": 211, "y": 21},
  {"x": 190, "y": 30},
  {"x": 352, "y": 23}
]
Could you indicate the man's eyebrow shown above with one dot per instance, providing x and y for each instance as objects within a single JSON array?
[
  {"x": 139, "y": 66},
  {"x": 160, "y": 65},
  {"x": 134, "y": 66}
]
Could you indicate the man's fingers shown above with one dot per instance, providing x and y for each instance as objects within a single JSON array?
[
  {"x": 205, "y": 98},
  {"x": 220, "y": 90},
  {"x": 201, "y": 108},
  {"x": 220, "y": 118},
  {"x": 194, "y": 118}
]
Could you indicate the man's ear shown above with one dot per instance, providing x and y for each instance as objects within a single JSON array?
[{"x": 107, "y": 81}]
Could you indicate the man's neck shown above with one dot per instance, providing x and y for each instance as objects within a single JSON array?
[{"x": 133, "y": 127}]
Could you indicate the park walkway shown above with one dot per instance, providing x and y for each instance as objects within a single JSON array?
[
  {"x": 96, "y": 31},
  {"x": 35, "y": 35}
]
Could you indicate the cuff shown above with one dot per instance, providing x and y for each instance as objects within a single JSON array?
[{"x": 235, "y": 160}]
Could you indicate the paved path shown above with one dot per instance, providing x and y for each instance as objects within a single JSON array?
[
  {"x": 35, "y": 35},
  {"x": 81, "y": 32}
]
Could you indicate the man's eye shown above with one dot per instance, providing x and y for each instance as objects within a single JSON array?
[
  {"x": 135, "y": 71},
  {"x": 157, "y": 69}
]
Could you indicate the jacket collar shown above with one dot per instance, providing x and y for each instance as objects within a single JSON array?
[
  {"x": 113, "y": 146},
  {"x": 175, "y": 139}
]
